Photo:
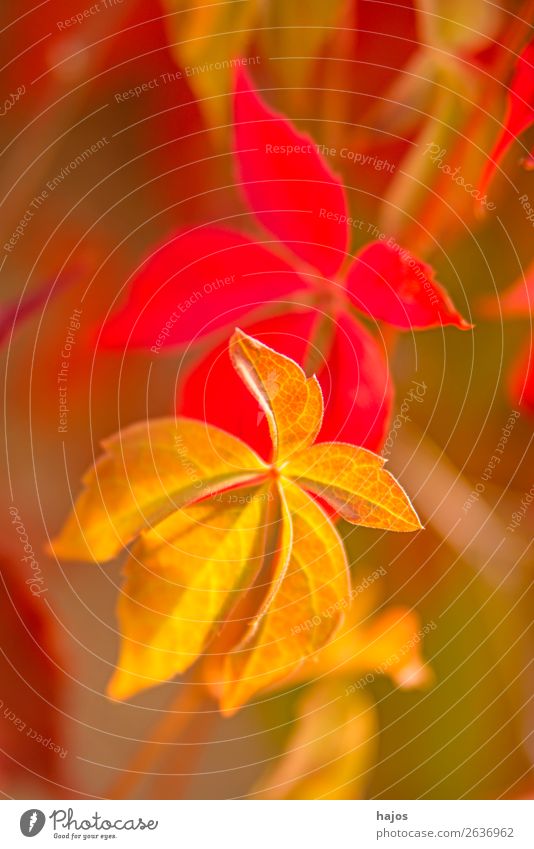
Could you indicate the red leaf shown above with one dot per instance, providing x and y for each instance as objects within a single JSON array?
[
  {"x": 30, "y": 679},
  {"x": 194, "y": 283},
  {"x": 356, "y": 386},
  {"x": 521, "y": 380},
  {"x": 389, "y": 284},
  {"x": 519, "y": 112},
  {"x": 354, "y": 379},
  {"x": 294, "y": 194}
]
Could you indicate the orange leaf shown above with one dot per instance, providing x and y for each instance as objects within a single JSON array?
[
  {"x": 232, "y": 555},
  {"x": 352, "y": 480},
  {"x": 292, "y": 402},
  {"x": 183, "y": 580},
  {"x": 150, "y": 470},
  {"x": 389, "y": 645},
  {"x": 316, "y": 581}
]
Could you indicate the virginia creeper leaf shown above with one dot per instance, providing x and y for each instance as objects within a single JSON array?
[
  {"x": 353, "y": 481},
  {"x": 148, "y": 471},
  {"x": 288, "y": 185},
  {"x": 316, "y": 580},
  {"x": 231, "y": 553},
  {"x": 292, "y": 402},
  {"x": 394, "y": 286},
  {"x": 183, "y": 579},
  {"x": 357, "y": 387},
  {"x": 353, "y": 375},
  {"x": 388, "y": 644},
  {"x": 205, "y": 390},
  {"x": 194, "y": 283}
]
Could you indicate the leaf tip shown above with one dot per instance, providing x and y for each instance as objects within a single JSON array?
[
  {"x": 121, "y": 686},
  {"x": 63, "y": 547},
  {"x": 413, "y": 522},
  {"x": 462, "y": 324}
]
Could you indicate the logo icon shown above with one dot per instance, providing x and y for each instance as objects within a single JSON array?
[{"x": 32, "y": 822}]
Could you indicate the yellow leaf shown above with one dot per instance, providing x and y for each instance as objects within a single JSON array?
[
  {"x": 331, "y": 751},
  {"x": 148, "y": 471},
  {"x": 353, "y": 481},
  {"x": 184, "y": 579},
  {"x": 315, "y": 584},
  {"x": 233, "y": 557},
  {"x": 292, "y": 402},
  {"x": 390, "y": 644}
]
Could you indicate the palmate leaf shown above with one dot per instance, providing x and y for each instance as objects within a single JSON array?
[
  {"x": 148, "y": 471},
  {"x": 184, "y": 578},
  {"x": 292, "y": 402},
  {"x": 316, "y": 580},
  {"x": 355, "y": 484},
  {"x": 229, "y": 554},
  {"x": 352, "y": 371}
]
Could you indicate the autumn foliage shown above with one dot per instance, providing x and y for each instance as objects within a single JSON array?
[
  {"x": 236, "y": 237},
  {"x": 230, "y": 554}
]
